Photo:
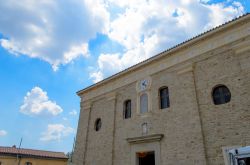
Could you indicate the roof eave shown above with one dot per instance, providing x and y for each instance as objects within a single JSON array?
[{"x": 169, "y": 51}]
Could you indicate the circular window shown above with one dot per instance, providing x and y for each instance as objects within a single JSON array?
[
  {"x": 98, "y": 124},
  {"x": 221, "y": 95}
]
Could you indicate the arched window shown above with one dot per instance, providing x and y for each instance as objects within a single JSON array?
[
  {"x": 98, "y": 124},
  {"x": 144, "y": 103},
  {"x": 127, "y": 109},
  {"x": 164, "y": 97},
  {"x": 221, "y": 95}
]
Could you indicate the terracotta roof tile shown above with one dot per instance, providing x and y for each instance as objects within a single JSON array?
[{"x": 31, "y": 152}]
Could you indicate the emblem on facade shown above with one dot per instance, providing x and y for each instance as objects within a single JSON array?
[{"x": 144, "y": 128}]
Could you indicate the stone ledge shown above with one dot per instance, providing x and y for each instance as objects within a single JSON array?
[{"x": 145, "y": 139}]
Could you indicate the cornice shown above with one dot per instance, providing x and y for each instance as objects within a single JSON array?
[
  {"x": 213, "y": 39},
  {"x": 111, "y": 96},
  {"x": 85, "y": 105},
  {"x": 145, "y": 139},
  {"x": 242, "y": 46}
]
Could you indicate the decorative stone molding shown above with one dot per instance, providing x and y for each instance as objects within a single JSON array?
[
  {"x": 143, "y": 86},
  {"x": 186, "y": 69},
  {"x": 111, "y": 96},
  {"x": 85, "y": 105},
  {"x": 138, "y": 105},
  {"x": 144, "y": 128},
  {"x": 242, "y": 47},
  {"x": 145, "y": 139}
]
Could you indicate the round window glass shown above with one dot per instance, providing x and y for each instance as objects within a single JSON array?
[{"x": 221, "y": 95}]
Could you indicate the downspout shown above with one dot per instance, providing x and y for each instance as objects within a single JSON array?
[
  {"x": 198, "y": 106},
  {"x": 87, "y": 136},
  {"x": 114, "y": 130}
]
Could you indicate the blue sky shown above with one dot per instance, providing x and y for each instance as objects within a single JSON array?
[{"x": 51, "y": 49}]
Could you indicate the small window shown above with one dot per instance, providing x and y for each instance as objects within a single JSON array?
[
  {"x": 144, "y": 103},
  {"x": 221, "y": 95},
  {"x": 164, "y": 98},
  {"x": 127, "y": 109},
  {"x": 98, "y": 124},
  {"x": 28, "y": 163}
]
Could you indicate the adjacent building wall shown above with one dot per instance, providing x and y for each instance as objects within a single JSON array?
[{"x": 11, "y": 160}]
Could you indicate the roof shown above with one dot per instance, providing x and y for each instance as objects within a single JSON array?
[
  {"x": 168, "y": 51},
  {"x": 31, "y": 153}
]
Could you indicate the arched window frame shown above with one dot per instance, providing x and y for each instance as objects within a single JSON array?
[
  {"x": 98, "y": 124},
  {"x": 127, "y": 106},
  {"x": 161, "y": 97},
  {"x": 143, "y": 86},
  {"x": 222, "y": 100},
  {"x": 140, "y": 103}
]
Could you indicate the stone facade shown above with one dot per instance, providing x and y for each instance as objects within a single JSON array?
[{"x": 193, "y": 130}]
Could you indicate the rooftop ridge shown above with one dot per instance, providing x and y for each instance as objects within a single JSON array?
[
  {"x": 161, "y": 53},
  {"x": 32, "y": 152},
  {"x": 30, "y": 149}
]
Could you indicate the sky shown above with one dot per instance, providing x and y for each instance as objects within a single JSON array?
[{"x": 51, "y": 49}]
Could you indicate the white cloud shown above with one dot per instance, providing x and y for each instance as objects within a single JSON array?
[
  {"x": 146, "y": 28},
  {"x": 3, "y": 133},
  {"x": 55, "y": 132},
  {"x": 54, "y": 31},
  {"x": 204, "y": 1},
  {"x": 96, "y": 76},
  {"x": 220, "y": 14},
  {"x": 65, "y": 118},
  {"x": 59, "y": 31},
  {"x": 36, "y": 102},
  {"x": 73, "y": 113}
]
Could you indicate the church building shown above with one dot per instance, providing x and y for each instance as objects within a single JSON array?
[{"x": 189, "y": 105}]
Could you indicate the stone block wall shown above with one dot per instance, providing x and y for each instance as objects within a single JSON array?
[
  {"x": 195, "y": 130},
  {"x": 227, "y": 124}
]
